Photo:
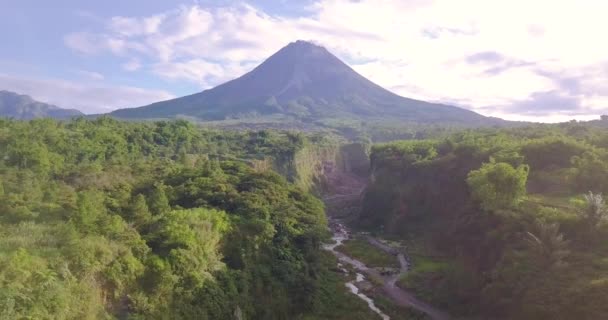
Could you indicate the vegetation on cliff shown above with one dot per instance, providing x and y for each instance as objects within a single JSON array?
[{"x": 512, "y": 222}]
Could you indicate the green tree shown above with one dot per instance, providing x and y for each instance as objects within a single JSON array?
[
  {"x": 498, "y": 185},
  {"x": 591, "y": 172},
  {"x": 158, "y": 201},
  {"x": 139, "y": 214},
  {"x": 552, "y": 152},
  {"x": 89, "y": 208}
]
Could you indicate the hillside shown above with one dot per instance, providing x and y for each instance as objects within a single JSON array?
[
  {"x": 23, "y": 107},
  {"x": 305, "y": 82}
]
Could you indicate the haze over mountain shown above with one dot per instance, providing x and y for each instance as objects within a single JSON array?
[
  {"x": 23, "y": 107},
  {"x": 307, "y": 82}
]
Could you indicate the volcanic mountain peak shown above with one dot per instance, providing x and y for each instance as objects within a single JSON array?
[
  {"x": 301, "y": 51},
  {"x": 302, "y": 47},
  {"x": 300, "y": 68},
  {"x": 304, "y": 81}
]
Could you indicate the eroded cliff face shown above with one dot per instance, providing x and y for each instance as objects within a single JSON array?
[
  {"x": 313, "y": 166},
  {"x": 338, "y": 175},
  {"x": 355, "y": 158}
]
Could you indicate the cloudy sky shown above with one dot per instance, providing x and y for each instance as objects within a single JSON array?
[{"x": 540, "y": 60}]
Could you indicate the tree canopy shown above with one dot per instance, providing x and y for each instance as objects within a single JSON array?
[
  {"x": 498, "y": 185},
  {"x": 102, "y": 219}
]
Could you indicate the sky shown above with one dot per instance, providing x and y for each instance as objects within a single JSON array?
[{"x": 534, "y": 60}]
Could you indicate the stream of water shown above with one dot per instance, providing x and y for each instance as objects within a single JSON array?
[{"x": 340, "y": 234}]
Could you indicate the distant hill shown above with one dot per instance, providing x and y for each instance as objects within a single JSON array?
[
  {"x": 23, "y": 107},
  {"x": 306, "y": 82}
]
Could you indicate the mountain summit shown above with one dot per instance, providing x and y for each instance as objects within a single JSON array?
[
  {"x": 307, "y": 82},
  {"x": 22, "y": 107}
]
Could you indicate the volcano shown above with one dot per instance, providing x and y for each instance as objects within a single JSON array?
[{"x": 306, "y": 82}]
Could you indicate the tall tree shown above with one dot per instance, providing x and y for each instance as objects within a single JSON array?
[
  {"x": 158, "y": 201},
  {"x": 548, "y": 245},
  {"x": 139, "y": 213},
  {"x": 498, "y": 185}
]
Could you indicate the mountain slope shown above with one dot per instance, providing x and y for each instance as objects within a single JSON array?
[
  {"x": 22, "y": 107},
  {"x": 307, "y": 82}
]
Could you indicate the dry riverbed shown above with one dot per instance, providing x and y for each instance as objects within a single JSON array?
[{"x": 381, "y": 278}]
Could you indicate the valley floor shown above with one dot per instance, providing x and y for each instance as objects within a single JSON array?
[{"x": 343, "y": 196}]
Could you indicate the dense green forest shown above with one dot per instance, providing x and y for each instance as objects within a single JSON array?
[
  {"x": 500, "y": 223},
  {"x": 104, "y": 219},
  {"x": 101, "y": 219}
]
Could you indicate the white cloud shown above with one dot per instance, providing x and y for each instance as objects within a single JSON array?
[
  {"x": 134, "y": 27},
  {"x": 83, "y": 42},
  {"x": 90, "y": 75},
  {"x": 89, "y": 43},
  {"x": 131, "y": 65},
  {"x": 418, "y": 48},
  {"x": 196, "y": 70},
  {"x": 205, "y": 73},
  {"x": 86, "y": 97}
]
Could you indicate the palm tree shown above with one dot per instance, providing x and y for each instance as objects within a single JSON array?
[
  {"x": 548, "y": 244},
  {"x": 595, "y": 209}
]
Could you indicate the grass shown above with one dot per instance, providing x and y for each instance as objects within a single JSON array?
[
  {"x": 368, "y": 254},
  {"x": 425, "y": 264},
  {"x": 561, "y": 202},
  {"x": 422, "y": 267},
  {"x": 424, "y": 275},
  {"x": 562, "y": 210}
]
